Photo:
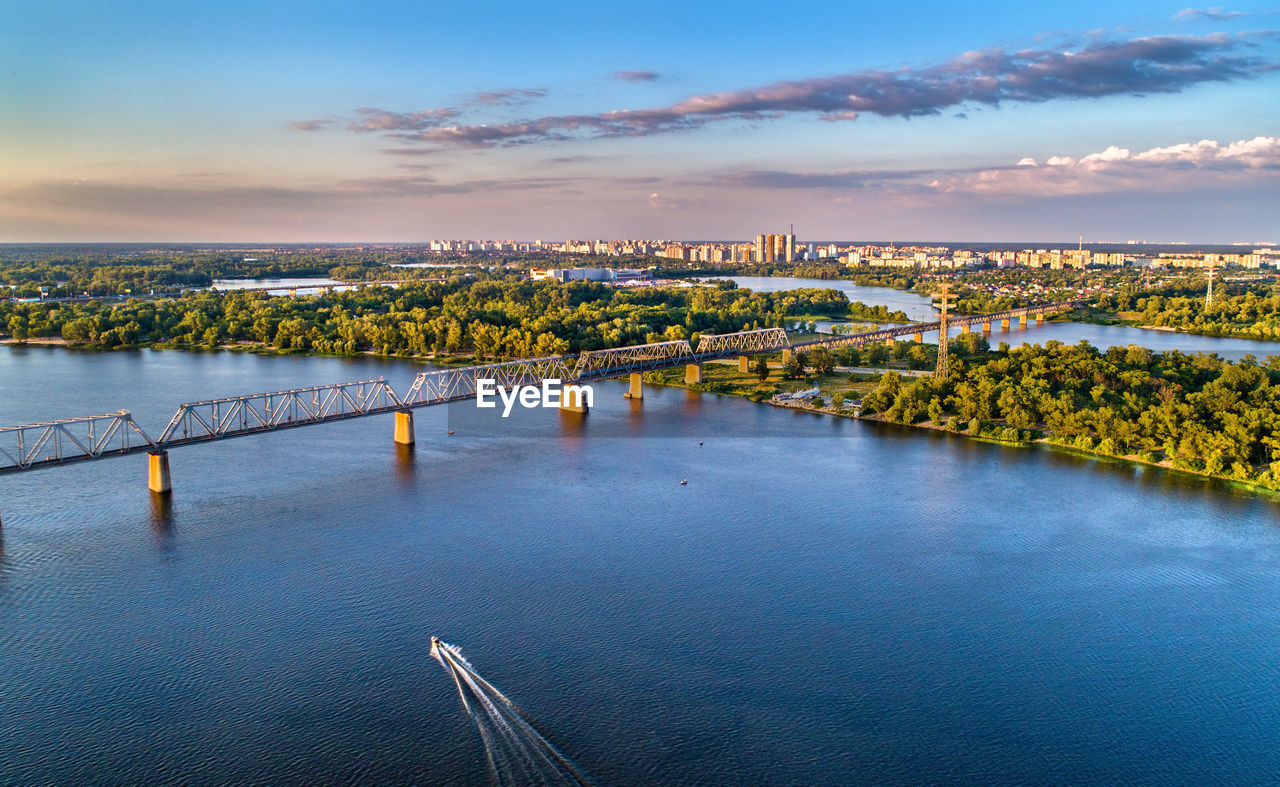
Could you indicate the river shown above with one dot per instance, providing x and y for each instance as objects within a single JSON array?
[
  {"x": 825, "y": 601},
  {"x": 920, "y": 308}
]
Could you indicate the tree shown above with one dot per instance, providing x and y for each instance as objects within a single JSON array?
[
  {"x": 821, "y": 361},
  {"x": 761, "y": 368},
  {"x": 793, "y": 368},
  {"x": 848, "y": 355}
]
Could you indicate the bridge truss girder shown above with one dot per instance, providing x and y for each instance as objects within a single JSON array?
[
  {"x": 449, "y": 385},
  {"x": 754, "y": 341},
  {"x": 600, "y": 364},
  {"x": 69, "y": 440},
  {"x": 241, "y": 415}
]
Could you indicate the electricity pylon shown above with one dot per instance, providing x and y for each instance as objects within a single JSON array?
[{"x": 944, "y": 367}]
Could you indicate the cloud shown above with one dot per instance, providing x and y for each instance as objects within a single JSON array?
[
  {"x": 509, "y": 97},
  {"x": 658, "y": 202},
  {"x": 1213, "y": 14},
  {"x": 381, "y": 120},
  {"x": 1098, "y": 69},
  {"x": 581, "y": 157},
  {"x": 1181, "y": 167},
  {"x": 410, "y": 151},
  {"x": 372, "y": 119},
  {"x": 310, "y": 125},
  {"x": 637, "y": 76},
  {"x": 179, "y": 199},
  {"x": 850, "y": 179}
]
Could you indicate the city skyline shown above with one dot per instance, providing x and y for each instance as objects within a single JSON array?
[{"x": 391, "y": 123}]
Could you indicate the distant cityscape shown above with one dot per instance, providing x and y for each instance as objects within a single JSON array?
[{"x": 769, "y": 248}]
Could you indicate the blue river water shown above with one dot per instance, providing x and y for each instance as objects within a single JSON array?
[{"x": 826, "y": 601}]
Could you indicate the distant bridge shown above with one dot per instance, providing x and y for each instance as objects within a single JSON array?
[{"x": 61, "y": 442}]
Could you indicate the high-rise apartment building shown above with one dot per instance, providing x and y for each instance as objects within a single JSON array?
[{"x": 776, "y": 248}]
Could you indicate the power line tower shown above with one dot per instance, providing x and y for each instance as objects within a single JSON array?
[
  {"x": 1208, "y": 296},
  {"x": 944, "y": 366}
]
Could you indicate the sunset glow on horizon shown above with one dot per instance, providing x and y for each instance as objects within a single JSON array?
[{"x": 399, "y": 122}]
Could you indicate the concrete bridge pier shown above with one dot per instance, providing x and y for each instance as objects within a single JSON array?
[
  {"x": 1004, "y": 324},
  {"x": 966, "y": 328},
  {"x": 635, "y": 388},
  {"x": 1022, "y": 320},
  {"x": 888, "y": 342},
  {"x": 919, "y": 338},
  {"x": 986, "y": 327},
  {"x": 293, "y": 292},
  {"x": 744, "y": 364},
  {"x": 158, "y": 478},
  {"x": 404, "y": 427},
  {"x": 573, "y": 400},
  {"x": 1040, "y": 318},
  {"x": 692, "y": 373},
  {"x": 786, "y": 355}
]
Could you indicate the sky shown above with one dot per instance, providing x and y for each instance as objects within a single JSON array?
[{"x": 402, "y": 122}]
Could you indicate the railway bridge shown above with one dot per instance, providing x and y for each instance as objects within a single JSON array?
[{"x": 88, "y": 438}]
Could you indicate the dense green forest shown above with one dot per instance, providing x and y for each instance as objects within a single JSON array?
[
  {"x": 492, "y": 317},
  {"x": 1196, "y": 412},
  {"x": 1247, "y": 310}
]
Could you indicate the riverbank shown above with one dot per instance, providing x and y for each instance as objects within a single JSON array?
[
  {"x": 840, "y": 396},
  {"x": 41, "y": 342}
]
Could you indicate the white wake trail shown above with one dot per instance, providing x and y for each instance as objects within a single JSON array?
[{"x": 516, "y": 751}]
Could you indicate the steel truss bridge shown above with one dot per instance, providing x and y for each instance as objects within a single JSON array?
[{"x": 53, "y": 443}]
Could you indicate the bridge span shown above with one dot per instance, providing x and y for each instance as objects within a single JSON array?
[{"x": 87, "y": 438}]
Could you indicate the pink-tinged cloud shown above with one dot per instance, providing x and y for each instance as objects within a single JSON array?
[
  {"x": 310, "y": 125},
  {"x": 658, "y": 202},
  {"x": 1182, "y": 167},
  {"x": 382, "y": 120},
  {"x": 509, "y": 97},
  {"x": 1098, "y": 69}
]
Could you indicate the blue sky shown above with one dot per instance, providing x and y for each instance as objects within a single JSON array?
[{"x": 401, "y": 122}]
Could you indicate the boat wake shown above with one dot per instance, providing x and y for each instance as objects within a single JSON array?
[{"x": 517, "y": 753}]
